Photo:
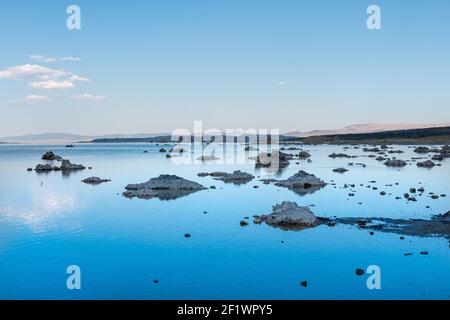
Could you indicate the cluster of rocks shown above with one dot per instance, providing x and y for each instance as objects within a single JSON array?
[
  {"x": 237, "y": 177},
  {"x": 440, "y": 154},
  {"x": 274, "y": 160},
  {"x": 290, "y": 216},
  {"x": 66, "y": 165},
  {"x": 164, "y": 187}
]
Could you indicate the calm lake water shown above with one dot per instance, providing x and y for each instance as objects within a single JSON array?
[{"x": 51, "y": 221}]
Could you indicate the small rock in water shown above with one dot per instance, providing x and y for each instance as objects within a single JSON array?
[
  {"x": 395, "y": 163},
  {"x": 95, "y": 180},
  {"x": 340, "y": 170},
  {"x": 359, "y": 272},
  {"x": 426, "y": 164},
  {"x": 187, "y": 235},
  {"x": 50, "y": 156},
  {"x": 243, "y": 223}
]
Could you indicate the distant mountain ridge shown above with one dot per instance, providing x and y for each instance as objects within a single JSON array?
[
  {"x": 367, "y": 128},
  {"x": 57, "y": 137}
]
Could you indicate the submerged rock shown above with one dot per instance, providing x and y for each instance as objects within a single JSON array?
[
  {"x": 95, "y": 180},
  {"x": 288, "y": 215},
  {"x": 164, "y": 187},
  {"x": 339, "y": 155},
  {"x": 340, "y": 170},
  {"x": 395, "y": 163},
  {"x": 50, "y": 156},
  {"x": 371, "y": 150}
]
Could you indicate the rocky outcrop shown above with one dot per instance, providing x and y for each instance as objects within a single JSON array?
[
  {"x": 95, "y": 180},
  {"x": 304, "y": 155},
  {"x": 302, "y": 183},
  {"x": 290, "y": 216},
  {"x": 164, "y": 187},
  {"x": 395, "y": 163},
  {"x": 275, "y": 160},
  {"x": 45, "y": 168},
  {"x": 50, "y": 156},
  {"x": 426, "y": 164},
  {"x": 66, "y": 166},
  {"x": 237, "y": 177},
  {"x": 422, "y": 150}
]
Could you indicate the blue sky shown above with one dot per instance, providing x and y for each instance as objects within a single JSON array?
[{"x": 154, "y": 66}]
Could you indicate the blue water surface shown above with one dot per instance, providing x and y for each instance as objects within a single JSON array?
[{"x": 50, "y": 221}]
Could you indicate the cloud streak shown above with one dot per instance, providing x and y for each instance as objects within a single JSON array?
[
  {"x": 44, "y": 59},
  {"x": 32, "y": 98},
  {"x": 88, "y": 96}
]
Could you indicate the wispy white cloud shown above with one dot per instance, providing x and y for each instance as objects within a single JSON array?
[
  {"x": 41, "y": 58},
  {"x": 40, "y": 77},
  {"x": 51, "y": 84},
  {"x": 285, "y": 83},
  {"x": 45, "y": 59},
  {"x": 75, "y": 77},
  {"x": 88, "y": 96},
  {"x": 32, "y": 98},
  {"x": 76, "y": 59},
  {"x": 31, "y": 71}
]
